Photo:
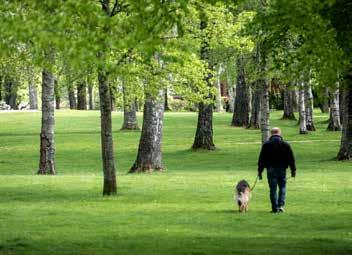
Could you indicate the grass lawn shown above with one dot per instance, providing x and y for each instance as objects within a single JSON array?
[{"x": 188, "y": 209}]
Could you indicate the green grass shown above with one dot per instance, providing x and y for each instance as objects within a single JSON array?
[{"x": 186, "y": 210}]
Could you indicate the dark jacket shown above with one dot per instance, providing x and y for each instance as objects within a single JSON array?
[{"x": 276, "y": 153}]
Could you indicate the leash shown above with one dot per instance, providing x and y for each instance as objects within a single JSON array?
[
  {"x": 256, "y": 180},
  {"x": 255, "y": 183}
]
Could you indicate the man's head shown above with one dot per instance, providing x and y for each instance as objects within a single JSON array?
[{"x": 275, "y": 131}]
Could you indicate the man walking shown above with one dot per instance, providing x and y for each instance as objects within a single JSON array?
[{"x": 276, "y": 155}]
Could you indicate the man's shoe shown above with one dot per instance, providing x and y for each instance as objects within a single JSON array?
[{"x": 281, "y": 209}]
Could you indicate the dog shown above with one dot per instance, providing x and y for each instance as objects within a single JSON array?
[{"x": 242, "y": 195}]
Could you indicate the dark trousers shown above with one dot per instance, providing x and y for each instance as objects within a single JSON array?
[{"x": 277, "y": 177}]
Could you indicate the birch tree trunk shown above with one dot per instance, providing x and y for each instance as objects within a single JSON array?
[
  {"x": 32, "y": 93},
  {"x": 334, "y": 120},
  {"x": 149, "y": 157},
  {"x": 82, "y": 95},
  {"x": 265, "y": 111},
  {"x": 107, "y": 145},
  {"x": 231, "y": 90},
  {"x": 47, "y": 141},
  {"x": 288, "y": 104},
  {"x": 71, "y": 97},
  {"x": 129, "y": 111},
  {"x": 308, "y": 97},
  {"x": 302, "y": 110},
  {"x": 255, "y": 112},
  {"x": 325, "y": 102},
  {"x": 204, "y": 134},
  {"x": 345, "y": 152},
  {"x": 240, "y": 116},
  {"x": 219, "y": 107}
]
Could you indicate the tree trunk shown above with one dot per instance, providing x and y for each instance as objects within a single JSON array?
[
  {"x": 90, "y": 97},
  {"x": 47, "y": 142},
  {"x": 241, "y": 112},
  {"x": 342, "y": 105},
  {"x": 32, "y": 94},
  {"x": 255, "y": 109},
  {"x": 57, "y": 95},
  {"x": 265, "y": 111},
  {"x": 107, "y": 145},
  {"x": 308, "y": 97},
  {"x": 149, "y": 157},
  {"x": 288, "y": 104},
  {"x": 334, "y": 120},
  {"x": 10, "y": 89},
  {"x": 82, "y": 95},
  {"x": 129, "y": 112},
  {"x": 325, "y": 102},
  {"x": 232, "y": 93},
  {"x": 1, "y": 87},
  {"x": 204, "y": 133},
  {"x": 166, "y": 101},
  {"x": 345, "y": 152},
  {"x": 295, "y": 96},
  {"x": 218, "y": 98},
  {"x": 302, "y": 110},
  {"x": 72, "y": 97}
]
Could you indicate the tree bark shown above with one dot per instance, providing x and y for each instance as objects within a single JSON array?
[
  {"x": 32, "y": 93},
  {"x": 47, "y": 142},
  {"x": 10, "y": 89},
  {"x": 265, "y": 111},
  {"x": 218, "y": 99},
  {"x": 325, "y": 102},
  {"x": 57, "y": 95},
  {"x": 107, "y": 145},
  {"x": 308, "y": 98},
  {"x": 334, "y": 120},
  {"x": 232, "y": 93},
  {"x": 255, "y": 109},
  {"x": 82, "y": 95},
  {"x": 72, "y": 97},
  {"x": 90, "y": 97},
  {"x": 241, "y": 112},
  {"x": 288, "y": 104},
  {"x": 166, "y": 101},
  {"x": 129, "y": 112},
  {"x": 149, "y": 157},
  {"x": 302, "y": 109},
  {"x": 204, "y": 134},
  {"x": 345, "y": 152}
]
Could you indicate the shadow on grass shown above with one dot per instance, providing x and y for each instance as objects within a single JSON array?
[{"x": 165, "y": 243}]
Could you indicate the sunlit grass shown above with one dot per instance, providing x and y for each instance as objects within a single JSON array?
[{"x": 188, "y": 209}]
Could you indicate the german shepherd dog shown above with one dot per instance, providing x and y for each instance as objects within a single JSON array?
[{"x": 242, "y": 195}]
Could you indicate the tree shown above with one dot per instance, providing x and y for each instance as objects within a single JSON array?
[
  {"x": 82, "y": 95},
  {"x": 334, "y": 119},
  {"x": 240, "y": 116},
  {"x": 255, "y": 112},
  {"x": 149, "y": 157},
  {"x": 204, "y": 133},
  {"x": 129, "y": 110},
  {"x": 302, "y": 109},
  {"x": 47, "y": 141},
  {"x": 309, "y": 108},
  {"x": 289, "y": 95},
  {"x": 57, "y": 92}
]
